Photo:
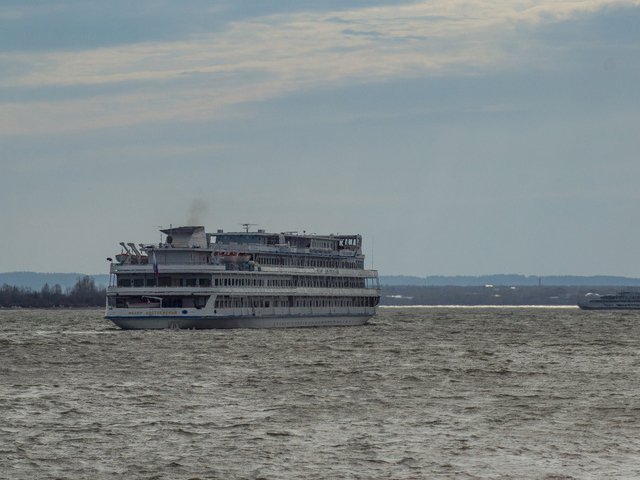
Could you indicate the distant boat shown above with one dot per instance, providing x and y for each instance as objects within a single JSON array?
[{"x": 616, "y": 301}]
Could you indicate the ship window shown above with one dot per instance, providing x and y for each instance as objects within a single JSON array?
[
  {"x": 138, "y": 282},
  {"x": 204, "y": 282},
  {"x": 191, "y": 282},
  {"x": 172, "y": 302},
  {"x": 124, "y": 282}
]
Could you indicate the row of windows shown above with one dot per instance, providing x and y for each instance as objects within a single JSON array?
[
  {"x": 230, "y": 301},
  {"x": 157, "y": 302},
  {"x": 236, "y": 301},
  {"x": 226, "y": 301},
  {"x": 164, "y": 281},
  {"x": 292, "y": 261},
  {"x": 296, "y": 281},
  {"x": 246, "y": 281},
  {"x": 329, "y": 244}
]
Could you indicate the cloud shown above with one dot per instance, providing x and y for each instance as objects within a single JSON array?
[{"x": 204, "y": 75}]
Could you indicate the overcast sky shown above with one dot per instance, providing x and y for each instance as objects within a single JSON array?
[{"x": 459, "y": 137}]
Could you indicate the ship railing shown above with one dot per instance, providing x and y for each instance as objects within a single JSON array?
[
  {"x": 252, "y": 248},
  {"x": 166, "y": 267},
  {"x": 237, "y": 290},
  {"x": 350, "y": 272}
]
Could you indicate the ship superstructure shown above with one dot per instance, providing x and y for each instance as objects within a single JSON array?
[
  {"x": 247, "y": 279},
  {"x": 624, "y": 300}
]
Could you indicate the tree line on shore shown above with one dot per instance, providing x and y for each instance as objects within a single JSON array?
[
  {"x": 84, "y": 293},
  {"x": 487, "y": 295}
]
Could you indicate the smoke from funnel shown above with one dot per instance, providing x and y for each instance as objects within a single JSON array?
[{"x": 197, "y": 211}]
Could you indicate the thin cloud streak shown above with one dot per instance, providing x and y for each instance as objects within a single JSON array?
[{"x": 260, "y": 59}]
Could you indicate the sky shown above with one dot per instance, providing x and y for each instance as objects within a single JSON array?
[{"x": 458, "y": 137}]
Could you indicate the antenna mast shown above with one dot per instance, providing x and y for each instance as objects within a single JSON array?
[{"x": 247, "y": 225}]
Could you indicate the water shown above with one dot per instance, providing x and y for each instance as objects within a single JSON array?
[{"x": 421, "y": 393}]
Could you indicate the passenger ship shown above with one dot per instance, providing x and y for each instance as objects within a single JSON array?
[
  {"x": 247, "y": 279},
  {"x": 618, "y": 301}
]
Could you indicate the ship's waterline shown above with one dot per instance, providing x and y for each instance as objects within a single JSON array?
[
  {"x": 162, "y": 322},
  {"x": 195, "y": 279}
]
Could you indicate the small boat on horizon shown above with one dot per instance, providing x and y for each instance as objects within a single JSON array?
[{"x": 625, "y": 300}]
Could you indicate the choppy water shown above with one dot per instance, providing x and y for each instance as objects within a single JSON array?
[{"x": 421, "y": 393}]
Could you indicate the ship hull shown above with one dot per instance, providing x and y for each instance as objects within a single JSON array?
[{"x": 218, "y": 322}]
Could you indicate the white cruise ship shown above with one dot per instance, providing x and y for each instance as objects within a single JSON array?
[{"x": 194, "y": 279}]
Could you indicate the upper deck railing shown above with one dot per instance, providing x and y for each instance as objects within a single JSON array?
[{"x": 285, "y": 249}]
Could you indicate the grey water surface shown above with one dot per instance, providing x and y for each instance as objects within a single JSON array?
[{"x": 419, "y": 393}]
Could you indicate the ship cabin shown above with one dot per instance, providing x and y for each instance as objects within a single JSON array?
[
  {"x": 291, "y": 249},
  {"x": 182, "y": 246},
  {"x": 192, "y": 248}
]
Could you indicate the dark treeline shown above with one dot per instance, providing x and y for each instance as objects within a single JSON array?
[{"x": 83, "y": 294}]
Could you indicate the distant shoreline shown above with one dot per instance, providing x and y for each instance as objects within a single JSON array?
[
  {"x": 471, "y": 307},
  {"x": 53, "y": 308},
  {"x": 490, "y": 295},
  {"x": 37, "y": 280},
  {"x": 86, "y": 294}
]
